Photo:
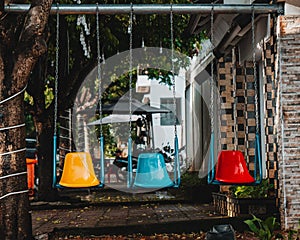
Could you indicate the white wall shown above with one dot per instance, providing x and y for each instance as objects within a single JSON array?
[
  {"x": 198, "y": 99},
  {"x": 291, "y": 9},
  {"x": 165, "y": 134}
]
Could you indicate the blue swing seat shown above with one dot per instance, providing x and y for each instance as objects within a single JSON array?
[{"x": 151, "y": 172}]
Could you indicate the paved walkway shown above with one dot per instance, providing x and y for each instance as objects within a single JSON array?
[{"x": 116, "y": 214}]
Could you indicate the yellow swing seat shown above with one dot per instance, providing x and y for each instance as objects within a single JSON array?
[{"x": 78, "y": 171}]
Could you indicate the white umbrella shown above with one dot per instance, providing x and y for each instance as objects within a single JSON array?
[{"x": 115, "y": 118}]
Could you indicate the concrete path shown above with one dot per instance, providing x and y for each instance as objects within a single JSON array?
[{"x": 118, "y": 215}]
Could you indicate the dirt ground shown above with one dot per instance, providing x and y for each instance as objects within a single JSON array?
[
  {"x": 160, "y": 210},
  {"x": 188, "y": 236}
]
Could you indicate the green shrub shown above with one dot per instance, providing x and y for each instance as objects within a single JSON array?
[
  {"x": 263, "y": 229},
  {"x": 259, "y": 191}
]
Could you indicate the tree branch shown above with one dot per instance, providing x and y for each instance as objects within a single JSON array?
[{"x": 31, "y": 42}]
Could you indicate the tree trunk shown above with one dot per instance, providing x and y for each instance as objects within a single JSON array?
[
  {"x": 21, "y": 43},
  {"x": 15, "y": 218},
  {"x": 44, "y": 126}
]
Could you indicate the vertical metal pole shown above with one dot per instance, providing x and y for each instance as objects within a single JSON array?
[
  {"x": 129, "y": 173},
  {"x": 102, "y": 160},
  {"x": 210, "y": 167},
  {"x": 176, "y": 164},
  {"x": 258, "y": 160},
  {"x": 54, "y": 161}
]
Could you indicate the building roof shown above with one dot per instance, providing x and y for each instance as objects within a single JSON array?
[{"x": 229, "y": 29}]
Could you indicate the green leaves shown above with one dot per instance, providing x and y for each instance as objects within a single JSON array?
[
  {"x": 163, "y": 76},
  {"x": 49, "y": 95},
  {"x": 259, "y": 191},
  {"x": 264, "y": 230}
]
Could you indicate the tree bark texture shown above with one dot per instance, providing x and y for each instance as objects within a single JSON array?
[{"x": 21, "y": 44}]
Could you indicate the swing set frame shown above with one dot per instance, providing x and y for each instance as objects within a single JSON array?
[
  {"x": 112, "y": 9},
  {"x": 231, "y": 166}
]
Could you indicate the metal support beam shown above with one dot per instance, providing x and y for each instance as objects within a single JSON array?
[{"x": 111, "y": 9}]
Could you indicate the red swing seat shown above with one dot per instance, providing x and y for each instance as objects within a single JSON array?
[{"x": 231, "y": 168}]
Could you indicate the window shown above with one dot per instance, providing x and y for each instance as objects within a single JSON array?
[{"x": 167, "y": 119}]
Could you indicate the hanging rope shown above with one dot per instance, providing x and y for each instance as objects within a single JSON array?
[
  {"x": 14, "y": 151},
  {"x": 15, "y": 126},
  {"x": 13, "y": 96},
  {"x": 12, "y": 127},
  {"x": 13, "y": 175},
  {"x": 11, "y": 152},
  {"x": 13, "y": 193}
]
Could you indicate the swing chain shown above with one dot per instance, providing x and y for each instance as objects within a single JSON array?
[
  {"x": 246, "y": 143},
  {"x": 212, "y": 67},
  {"x": 130, "y": 31},
  {"x": 254, "y": 69},
  {"x": 235, "y": 115},
  {"x": 56, "y": 71},
  {"x": 173, "y": 68},
  {"x": 99, "y": 69},
  {"x": 70, "y": 128}
]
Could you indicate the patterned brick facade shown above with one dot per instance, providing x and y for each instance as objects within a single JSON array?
[
  {"x": 279, "y": 82},
  {"x": 269, "y": 92},
  {"x": 228, "y": 69},
  {"x": 238, "y": 124}
]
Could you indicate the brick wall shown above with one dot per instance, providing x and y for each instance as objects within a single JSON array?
[
  {"x": 288, "y": 115},
  {"x": 226, "y": 106},
  {"x": 244, "y": 114},
  {"x": 281, "y": 86},
  {"x": 269, "y": 92}
]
